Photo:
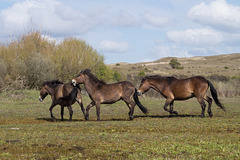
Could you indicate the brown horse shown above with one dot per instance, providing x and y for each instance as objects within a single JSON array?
[
  {"x": 102, "y": 93},
  {"x": 181, "y": 89},
  {"x": 61, "y": 94}
]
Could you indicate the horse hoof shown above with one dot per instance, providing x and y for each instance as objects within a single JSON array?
[
  {"x": 175, "y": 112},
  {"x": 210, "y": 114},
  {"x": 131, "y": 118},
  {"x": 54, "y": 119}
]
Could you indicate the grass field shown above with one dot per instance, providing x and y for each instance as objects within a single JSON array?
[{"x": 27, "y": 132}]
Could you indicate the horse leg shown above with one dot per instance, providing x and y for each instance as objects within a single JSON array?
[
  {"x": 131, "y": 106},
  {"x": 203, "y": 105},
  {"x": 62, "y": 112},
  {"x": 168, "y": 101},
  {"x": 98, "y": 110},
  {"x": 87, "y": 110},
  {"x": 209, "y": 100},
  {"x": 70, "y": 112},
  {"x": 50, "y": 109},
  {"x": 79, "y": 100},
  {"x": 171, "y": 108}
]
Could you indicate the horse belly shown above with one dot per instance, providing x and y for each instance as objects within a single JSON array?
[
  {"x": 183, "y": 95},
  {"x": 110, "y": 98}
]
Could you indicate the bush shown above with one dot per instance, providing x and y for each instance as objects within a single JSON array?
[
  {"x": 3, "y": 71},
  {"x": 38, "y": 69},
  {"x": 175, "y": 64},
  {"x": 116, "y": 76},
  {"x": 141, "y": 74},
  {"x": 33, "y": 59}
]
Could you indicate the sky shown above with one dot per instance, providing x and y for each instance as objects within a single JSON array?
[{"x": 130, "y": 30}]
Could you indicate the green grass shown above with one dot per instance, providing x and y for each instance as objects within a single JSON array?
[{"x": 27, "y": 132}]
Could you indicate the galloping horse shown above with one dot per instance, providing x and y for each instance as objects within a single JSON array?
[
  {"x": 181, "y": 89},
  {"x": 61, "y": 94},
  {"x": 102, "y": 93}
]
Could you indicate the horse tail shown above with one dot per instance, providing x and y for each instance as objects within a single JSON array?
[
  {"x": 215, "y": 96},
  {"x": 135, "y": 97}
]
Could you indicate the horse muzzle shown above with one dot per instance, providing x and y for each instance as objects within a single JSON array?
[
  {"x": 40, "y": 99},
  {"x": 74, "y": 82},
  {"x": 139, "y": 93}
]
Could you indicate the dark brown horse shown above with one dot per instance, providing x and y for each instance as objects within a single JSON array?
[
  {"x": 102, "y": 93},
  {"x": 61, "y": 94},
  {"x": 181, "y": 89}
]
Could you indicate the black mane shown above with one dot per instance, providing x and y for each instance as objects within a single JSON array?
[
  {"x": 52, "y": 83},
  {"x": 92, "y": 77},
  {"x": 158, "y": 77}
]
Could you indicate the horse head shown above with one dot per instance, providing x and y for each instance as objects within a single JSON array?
[
  {"x": 47, "y": 87},
  {"x": 43, "y": 93},
  {"x": 79, "y": 79},
  {"x": 144, "y": 87}
]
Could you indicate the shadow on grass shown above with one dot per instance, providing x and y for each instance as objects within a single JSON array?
[
  {"x": 167, "y": 116},
  {"x": 77, "y": 120},
  {"x": 119, "y": 119},
  {"x": 58, "y": 120}
]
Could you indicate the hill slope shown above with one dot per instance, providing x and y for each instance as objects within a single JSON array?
[{"x": 226, "y": 65}]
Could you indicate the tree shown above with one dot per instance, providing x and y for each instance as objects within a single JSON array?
[
  {"x": 116, "y": 76},
  {"x": 74, "y": 55},
  {"x": 175, "y": 64}
]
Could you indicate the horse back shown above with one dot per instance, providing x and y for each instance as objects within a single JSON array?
[
  {"x": 66, "y": 93},
  {"x": 110, "y": 93},
  {"x": 199, "y": 83},
  {"x": 189, "y": 87}
]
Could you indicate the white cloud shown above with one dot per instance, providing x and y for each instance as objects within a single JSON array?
[
  {"x": 196, "y": 37},
  {"x": 121, "y": 18},
  {"x": 155, "y": 20},
  {"x": 169, "y": 51},
  {"x": 46, "y": 15},
  {"x": 111, "y": 46},
  {"x": 58, "y": 19},
  {"x": 217, "y": 14}
]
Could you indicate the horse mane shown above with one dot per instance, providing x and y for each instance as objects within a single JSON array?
[
  {"x": 52, "y": 83},
  {"x": 151, "y": 77},
  {"x": 158, "y": 77},
  {"x": 93, "y": 77}
]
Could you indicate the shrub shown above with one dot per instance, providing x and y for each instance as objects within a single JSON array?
[
  {"x": 116, "y": 76},
  {"x": 33, "y": 59},
  {"x": 141, "y": 74},
  {"x": 38, "y": 69},
  {"x": 175, "y": 64},
  {"x": 74, "y": 55}
]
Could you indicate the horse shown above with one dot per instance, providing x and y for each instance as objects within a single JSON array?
[
  {"x": 102, "y": 93},
  {"x": 61, "y": 94},
  {"x": 173, "y": 89}
]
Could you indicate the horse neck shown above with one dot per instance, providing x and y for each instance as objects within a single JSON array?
[
  {"x": 49, "y": 89},
  {"x": 155, "y": 85},
  {"x": 90, "y": 85}
]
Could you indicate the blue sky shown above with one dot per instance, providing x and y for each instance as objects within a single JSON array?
[{"x": 130, "y": 30}]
